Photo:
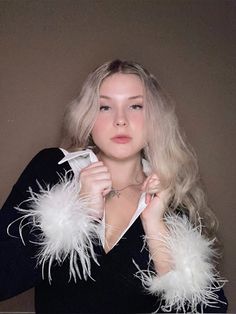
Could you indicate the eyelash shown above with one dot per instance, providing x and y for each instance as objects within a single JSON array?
[
  {"x": 104, "y": 108},
  {"x": 133, "y": 107},
  {"x": 137, "y": 106}
]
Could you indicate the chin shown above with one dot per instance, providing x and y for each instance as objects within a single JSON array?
[{"x": 122, "y": 154}]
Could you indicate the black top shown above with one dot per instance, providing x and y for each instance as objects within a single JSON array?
[{"x": 113, "y": 287}]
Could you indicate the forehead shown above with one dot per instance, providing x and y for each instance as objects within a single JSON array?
[{"x": 122, "y": 84}]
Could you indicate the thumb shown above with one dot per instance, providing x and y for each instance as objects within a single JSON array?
[
  {"x": 106, "y": 191},
  {"x": 144, "y": 185},
  {"x": 148, "y": 198}
]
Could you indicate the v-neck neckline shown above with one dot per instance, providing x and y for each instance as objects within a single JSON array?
[
  {"x": 123, "y": 237},
  {"x": 141, "y": 206},
  {"x": 80, "y": 159}
]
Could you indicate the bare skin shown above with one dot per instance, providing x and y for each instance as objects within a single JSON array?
[
  {"x": 120, "y": 134},
  {"x": 118, "y": 213}
]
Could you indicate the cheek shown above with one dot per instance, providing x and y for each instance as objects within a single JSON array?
[
  {"x": 99, "y": 128},
  {"x": 98, "y": 125},
  {"x": 142, "y": 127},
  {"x": 139, "y": 123}
]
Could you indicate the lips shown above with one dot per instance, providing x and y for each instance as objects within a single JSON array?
[{"x": 121, "y": 139}]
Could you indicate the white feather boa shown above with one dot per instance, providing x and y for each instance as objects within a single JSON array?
[
  {"x": 193, "y": 279},
  {"x": 66, "y": 223}
]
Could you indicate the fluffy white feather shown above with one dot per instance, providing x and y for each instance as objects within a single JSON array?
[
  {"x": 68, "y": 226},
  {"x": 193, "y": 279}
]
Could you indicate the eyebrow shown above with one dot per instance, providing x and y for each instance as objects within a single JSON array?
[{"x": 132, "y": 97}]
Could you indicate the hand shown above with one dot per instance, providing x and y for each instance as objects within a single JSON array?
[
  {"x": 155, "y": 199},
  {"x": 95, "y": 183},
  {"x": 151, "y": 187},
  {"x": 153, "y": 224}
]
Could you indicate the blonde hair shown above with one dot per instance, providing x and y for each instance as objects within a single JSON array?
[{"x": 169, "y": 154}]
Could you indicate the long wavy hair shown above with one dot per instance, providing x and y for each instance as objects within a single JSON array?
[{"x": 168, "y": 152}]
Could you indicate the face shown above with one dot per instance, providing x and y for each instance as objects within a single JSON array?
[{"x": 119, "y": 130}]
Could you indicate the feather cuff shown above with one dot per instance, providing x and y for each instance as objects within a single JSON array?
[
  {"x": 66, "y": 224},
  {"x": 193, "y": 279}
]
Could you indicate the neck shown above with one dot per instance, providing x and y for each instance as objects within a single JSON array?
[{"x": 124, "y": 172}]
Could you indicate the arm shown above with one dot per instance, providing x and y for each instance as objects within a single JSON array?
[
  {"x": 184, "y": 272},
  {"x": 63, "y": 222},
  {"x": 18, "y": 271},
  {"x": 156, "y": 230}
]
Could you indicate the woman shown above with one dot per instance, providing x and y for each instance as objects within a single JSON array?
[{"x": 118, "y": 222}]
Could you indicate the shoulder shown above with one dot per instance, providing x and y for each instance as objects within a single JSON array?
[
  {"x": 46, "y": 158},
  {"x": 44, "y": 166},
  {"x": 53, "y": 154}
]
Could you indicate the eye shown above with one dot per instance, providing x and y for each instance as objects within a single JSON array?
[
  {"x": 104, "y": 108},
  {"x": 136, "y": 107}
]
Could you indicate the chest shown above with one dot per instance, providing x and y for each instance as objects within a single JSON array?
[
  {"x": 113, "y": 286},
  {"x": 118, "y": 214}
]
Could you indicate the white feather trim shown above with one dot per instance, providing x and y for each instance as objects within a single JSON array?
[
  {"x": 193, "y": 279},
  {"x": 68, "y": 226}
]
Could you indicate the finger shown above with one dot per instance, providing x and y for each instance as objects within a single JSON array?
[
  {"x": 153, "y": 186},
  {"x": 154, "y": 181},
  {"x": 150, "y": 180},
  {"x": 153, "y": 191},
  {"x": 145, "y": 183},
  {"x": 93, "y": 170},
  {"x": 89, "y": 169},
  {"x": 93, "y": 165},
  {"x": 103, "y": 185},
  {"x": 106, "y": 191},
  {"x": 148, "y": 198},
  {"x": 98, "y": 176}
]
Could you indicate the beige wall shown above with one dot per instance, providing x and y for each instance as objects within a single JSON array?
[{"x": 48, "y": 47}]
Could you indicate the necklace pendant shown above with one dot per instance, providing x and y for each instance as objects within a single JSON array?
[{"x": 114, "y": 193}]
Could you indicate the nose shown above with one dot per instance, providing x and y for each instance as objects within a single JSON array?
[
  {"x": 120, "y": 119},
  {"x": 121, "y": 122}
]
